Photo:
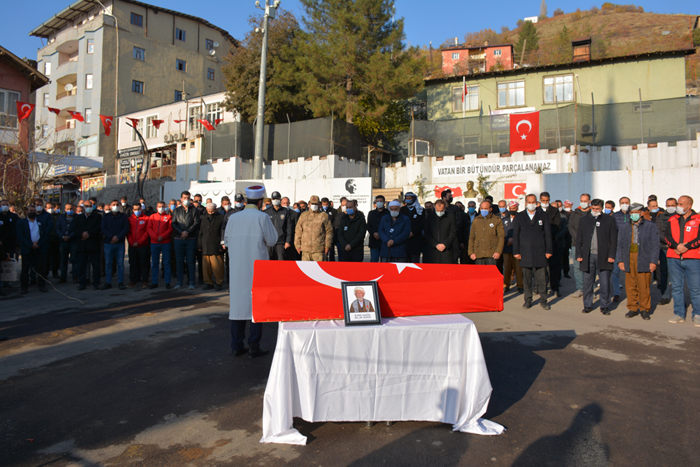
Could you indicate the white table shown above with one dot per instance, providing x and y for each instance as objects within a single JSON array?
[{"x": 428, "y": 368}]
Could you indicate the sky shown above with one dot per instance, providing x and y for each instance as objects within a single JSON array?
[{"x": 425, "y": 20}]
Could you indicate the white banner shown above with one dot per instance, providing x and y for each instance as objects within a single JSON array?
[
  {"x": 495, "y": 168},
  {"x": 359, "y": 189}
]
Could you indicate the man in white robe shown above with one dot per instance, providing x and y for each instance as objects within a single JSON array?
[{"x": 247, "y": 237}]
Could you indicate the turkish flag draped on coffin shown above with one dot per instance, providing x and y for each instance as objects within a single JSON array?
[
  {"x": 524, "y": 132},
  {"x": 309, "y": 290}
]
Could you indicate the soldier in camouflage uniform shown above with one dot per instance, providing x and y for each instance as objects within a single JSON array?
[{"x": 313, "y": 236}]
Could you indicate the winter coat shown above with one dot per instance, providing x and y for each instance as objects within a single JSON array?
[
  {"x": 8, "y": 231},
  {"x": 160, "y": 225},
  {"x": 439, "y": 230},
  {"x": 24, "y": 236},
  {"x": 313, "y": 233},
  {"x": 62, "y": 227},
  {"x": 138, "y": 231},
  {"x": 607, "y": 240},
  {"x": 90, "y": 224},
  {"x": 209, "y": 240},
  {"x": 661, "y": 221},
  {"x": 374, "y": 217},
  {"x": 415, "y": 243},
  {"x": 507, "y": 232},
  {"x": 397, "y": 229},
  {"x": 532, "y": 238},
  {"x": 186, "y": 220},
  {"x": 648, "y": 241},
  {"x": 574, "y": 219},
  {"x": 351, "y": 231},
  {"x": 280, "y": 219},
  {"x": 554, "y": 222},
  {"x": 114, "y": 225},
  {"x": 486, "y": 236}
]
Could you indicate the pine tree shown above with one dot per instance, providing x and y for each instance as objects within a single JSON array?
[{"x": 529, "y": 32}]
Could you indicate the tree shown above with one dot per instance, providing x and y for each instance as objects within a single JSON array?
[
  {"x": 529, "y": 32},
  {"x": 353, "y": 60},
  {"x": 558, "y": 12},
  {"x": 382, "y": 130},
  {"x": 242, "y": 73},
  {"x": 562, "y": 50},
  {"x": 543, "y": 10}
]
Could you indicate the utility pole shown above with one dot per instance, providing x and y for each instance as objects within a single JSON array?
[{"x": 270, "y": 11}]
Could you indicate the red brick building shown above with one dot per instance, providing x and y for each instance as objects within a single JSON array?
[{"x": 461, "y": 59}]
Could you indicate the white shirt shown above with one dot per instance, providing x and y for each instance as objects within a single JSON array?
[
  {"x": 34, "y": 230},
  {"x": 531, "y": 214}
]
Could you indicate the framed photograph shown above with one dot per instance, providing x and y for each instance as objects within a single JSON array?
[{"x": 361, "y": 303}]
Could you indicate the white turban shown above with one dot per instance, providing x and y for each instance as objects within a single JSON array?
[{"x": 394, "y": 203}]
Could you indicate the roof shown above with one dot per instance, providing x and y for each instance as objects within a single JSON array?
[
  {"x": 68, "y": 15},
  {"x": 598, "y": 61},
  {"x": 36, "y": 78},
  {"x": 460, "y": 47}
]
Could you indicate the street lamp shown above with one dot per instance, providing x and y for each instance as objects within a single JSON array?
[{"x": 270, "y": 12}]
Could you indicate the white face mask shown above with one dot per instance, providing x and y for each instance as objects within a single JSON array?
[
  {"x": 544, "y": 206},
  {"x": 123, "y": 204},
  {"x": 583, "y": 205},
  {"x": 439, "y": 213},
  {"x": 240, "y": 205},
  {"x": 39, "y": 208},
  {"x": 567, "y": 209},
  {"x": 185, "y": 202},
  {"x": 226, "y": 207},
  {"x": 343, "y": 208},
  {"x": 394, "y": 213},
  {"x": 595, "y": 213},
  {"x": 276, "y": 202},
  {"x": 380, "y": 205},
  {"x": 532, "y": 207},
  {"x": 161, "y": 210},
  {"x": 625, "y": 207},
  {"x": 669, "y": 209},
  {"x": 313, "y": 207},
  {"x": 49, "y": 210},
  {"x": 5, "y": 208},
  {"x": 680, "y": 210},
  {"x": 115, "y": 209}
]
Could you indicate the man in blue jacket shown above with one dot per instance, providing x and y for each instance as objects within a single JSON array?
[
  {"x": 33, "y": 239},
  {"x": 115, "y": 227},
  {"x": 394, "y": 231}
]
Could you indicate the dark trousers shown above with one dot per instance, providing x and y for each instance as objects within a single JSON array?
[
  {"x": 290, "y": 254},
  {"x": 555, "y": 270},
  {"x": 185, "y": 249},
  {"x": 53, "y": 258},
  {"x": 565, "y": 261},
  {"x": 67, "y": 252},
  {"x": 238, "y": 334},
  {"x": 200, "y": 272},
  {"x": 352, "y": 256},
  {"x": 139, "y": 261},
  {"x": 35, "y": 261},
  {"x": 589, "y": 283},
  {"x": 535, "y": 279},
  {"x": 276, "y": 252},
  {"x": 92, "y": 258},
  {"x": 489, "y": 261},
  {"x": 393, "y": 259},
  {"x": 412, "y": 257}
]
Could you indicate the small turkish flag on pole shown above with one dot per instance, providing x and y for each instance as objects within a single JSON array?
[
  {"x": 206, "y": 124},
  {"x": 179, "y": 121},
  {"x": 24, "y": 110},
  {"x": 156, "y": 123},
  {"x": 524, "y": 132},
  {"x": 76, "y": 116},
  {"x": 56, "y": 111},
  {"x": 107, "y": 124},
  {"x": 218, "y": 120},
  {"x": 134, "y": 122}
]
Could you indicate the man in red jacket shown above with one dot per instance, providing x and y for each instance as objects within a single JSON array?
[
  {"x": 139, "y": 251},
  {"x": 160, "y": 230}
]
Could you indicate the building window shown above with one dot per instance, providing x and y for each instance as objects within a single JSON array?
[
  {"x": 47, "y": 68},
  {"x": 88, "y": 81},
  {"x": 45, "y": 130},
  {"x": 210, "y": 74},
  {"x": 137, "y": 86},
  {"x": 178, "y": 95},
  {"x": 137, "y": 20},
  {"x": 8, "y": 108},
  {"x": 209, "y": 44},
  {"x": 511, "y": 94},
  {"x": 180, "y": 65},
  {"x": 180, "y": 34},
  {"x": 455, "y": 55},
  {"x": 214, "y": 112},
  {"x": 560, "y": 86},
  {"x": 88, "y": 115},
  {"x": 46, "y": 99},
  {"x": 139, "y": 126},
  {"x": 139, "y": 53},
  {"x": 151, "y": 130},
  {"x": 91, "y": 46},
  {"x": 497, "y": 53},
  {"x": 195, "y": 114},
  {"x": 471, "y": 100}
]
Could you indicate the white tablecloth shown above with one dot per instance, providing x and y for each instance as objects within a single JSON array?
[{"x": 427, "y": 368}]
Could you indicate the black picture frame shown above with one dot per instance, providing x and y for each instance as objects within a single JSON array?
[{"x": 371, "y": 298}]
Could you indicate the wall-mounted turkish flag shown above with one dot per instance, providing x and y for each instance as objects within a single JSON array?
[
  {"x": 24, "y": 110},
  {"x": 134, "y": 122},
  {"x": 456, "y": 192},
  {"x": 218, "y": 120},
  {"x": 312, "y": 290},
  {"x": 524, "y": 132},
  {"x": 514, "y": 190},
  {"x": 157, "y": 123},
  {"x": 107, "y": 124},
  {"x": 76, "y": 116},
  {"x": 206, "y": 124},
  {"x": 56, "y": 111}
]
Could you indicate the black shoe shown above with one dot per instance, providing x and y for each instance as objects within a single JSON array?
[
  {"x": 605, "y": 311},
  {"x": 121, "y": 286},
  {"x": 631, "y": 314},
  {"x": 97, "y": 286},
  {"x": 557, "y": 293},
  {"x": 217, "y": 287},
  {"x": 545, "y": 305},
  {"x": 520, "y": 290},
  {"x": 616, "y": 298},
  {"x": 153, "y": 286},
  {"x": 645, "y": 315},
  {"x": 254, "y": 353},
  {"x": 527, "y": 305},
  {"x": 82, "y": 287},
  {"x": 664, "y": 301},
  {"x": 24, "y": 291},
  {"x": 208, "y": 287},
  {"x": 62, "y": 280},
  {"x": 105, "y": 286},
  {"x": 42, "y": 288},
  {"x": 239, "y": 352},
  {"x": 586, "y": 310},
  {"x": 167, "y": 286}
]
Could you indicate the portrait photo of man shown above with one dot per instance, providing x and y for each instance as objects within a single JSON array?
[{"x": 360, "y": 304}]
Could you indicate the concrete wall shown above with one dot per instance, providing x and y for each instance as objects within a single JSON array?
[{"x": 153, "y": 192}]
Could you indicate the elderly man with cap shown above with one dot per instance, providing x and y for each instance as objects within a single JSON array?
[
  {"x": 248, "y": 236},
  {"x": 313, "y": 236},
  {"x": 394, "y": 231},
  {"x": 210, "y": 245},
  {"x": 416, "y": 215},
  {"x": 280, "y": 219},
  {"x": 638, "y": 248}
]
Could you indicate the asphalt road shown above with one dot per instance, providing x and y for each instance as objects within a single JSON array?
[{"x": 146, "y": 378}]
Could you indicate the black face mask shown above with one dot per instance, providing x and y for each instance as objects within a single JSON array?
[
  {"x": 448, "y": 199},
  {"x": 513, "y": 213},
  {"x": 31, "y": 215}
]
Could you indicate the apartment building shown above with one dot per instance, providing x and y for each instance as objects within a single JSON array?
[
  {"x": 465, "y": 59},
  {"x": 115, "y": 57}
]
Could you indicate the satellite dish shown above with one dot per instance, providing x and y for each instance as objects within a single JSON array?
[
  {"x": 68, "y": 87},
  {"x": 216, "y": 44},
  {"x": 212, "y": 52}
]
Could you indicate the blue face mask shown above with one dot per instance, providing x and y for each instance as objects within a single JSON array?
[
  {"x": 350, "y": 212},
  {"x": 655, "y": 210},
  {"x": 635, "y": 217},
  {"x": 297, "y": 210},
  {"x": 502, "y": 209},
  {"x": 173, "y": 206},
  {"x": 69, "y": 213},
  {"x": 484, "y": 212},
  {"x": 607, "y": 211},
  {"x": 471, "y": 210}
]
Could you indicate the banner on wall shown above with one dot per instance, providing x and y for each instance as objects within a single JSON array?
[
  {"x": 495, "y": 168},
  {"x": 358, "y": 188}
]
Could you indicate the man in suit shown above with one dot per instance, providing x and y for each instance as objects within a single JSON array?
[
  {"x": 596, "y": 247},
  {"x": 360, "y": 305},
  {"x": 86, "y": 228},
  {"x": 555, "y": 224},
  {"x": 532, "y": 245},
  {"x": 33, "y": 238}
]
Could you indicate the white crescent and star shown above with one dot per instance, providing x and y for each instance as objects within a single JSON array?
[
  {"x": 26, "y": 106},
  {"x": 516, "y": 195},
  {"x": 523, "y": 136},
  {"x": 313, "y": 271}
]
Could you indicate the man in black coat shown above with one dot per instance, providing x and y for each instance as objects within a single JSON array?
[
  {"x": 8, "y": 228},
  {"x": 373, "y": 220},
  {"x": 532, "y": 245},
  {"x": 555, "y": 224},
  {"x": 86, "y": 228},
  {"x": 415, "y": 213},
  {"x": 583, "y": 209},
  {"x": 596, "y": 247},
  {"x": 280, "y": 219},
  {"x": 210, "y": 247},
  {"x": 440, "y": 233},
  {"x": 462, "y": 235},
  {"x": 351, "y": 234},
  {"x": 33, "y": 237},
  {"x": 290, "y": 253}
]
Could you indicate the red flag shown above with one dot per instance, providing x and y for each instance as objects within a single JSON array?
[
  {"x": 514, "y": 190},
  {"x": 524, "y": 132},
  {"x": 56, "y": 111},
  {"x": 179, "y": 121},
  {"x": 464, "y": 93},
  {"x": 456, "y": 192},
  {"x": 24, "y": 110},
  {"x": 107, "y": 124},
  {"x": 206, "y": 124},
  {"x": 156, "y": 123},
  {"x": 322, "y": 281},
  {"x": 218, "y": 120},
  {"x": 76, "y": 115},
  {"x": 134, "y": 121}
]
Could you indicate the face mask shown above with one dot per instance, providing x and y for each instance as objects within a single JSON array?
[
  {"x": 655, "y": 210},
  {"x": 314, "y": 207},
  {"x": 5, "y": 208},
  {"x": 185, "y": 202},
  {"x": 239, "y": 205},
  {"x": 297, "y": 210},
  {"x": 531, "y": 207},
  {"x": 606, "y": 211},
  {"x": 502, "y": 209},
  {"x": 561, "y": 209},
  {"x": 545, "y": 206},
  {"x": 595, "y": 213},
  {"x": 567, "y": 209},
  {"x": 161, "y": 210},
  {"x": 394, "y": 213},
  {"x": 680, "y": 210},
  {"x": 671, "y": 209},
  {"x": 343, "y": 208},
  {"x": 49, "y": 210},
  {"x": 226, "y": 207},
  {"x": 350, "y": 212},
  {"x": 410, "y": 201},
  {"x": 69, "y": 213},
  {"x": 380, "y": 204},
  {"x": 449, "y": 199},
  {"x": 584, "y": 205},
  {"x": 325, "y": 208},
  {"x": 267, "y": 206},
  {"x": 625, "y": 207},
  {"x": 31, "y": 215},
  {"x": 276, "y": 202},
  {"x": 123, "y": 204},
  {"x": 513, "y": 213},
  {"x": 439, "y": 213},
  {"x": 39, "y": 208},
  {"x": 471, "y": 210},
  {"x": 635, "y": 217},
  {"x": 484, "y": 212},
  {"x": 115, "y": 209},
  {"x": 88, "y": 210},
  {"x": 143, "y": 206}
]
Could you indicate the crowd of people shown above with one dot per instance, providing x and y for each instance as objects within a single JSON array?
[{"x": 533, "y": 248}]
